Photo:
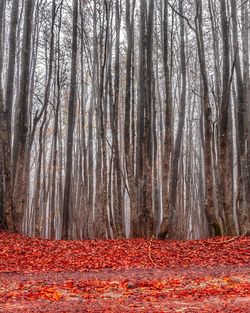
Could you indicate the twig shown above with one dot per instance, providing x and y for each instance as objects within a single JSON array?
[
  {"x": 241, "y": 5},
  {"x": 229, "y": 240},
  {"x": 119, "y": 169},
  {"x": 182, "y": 16},
  {"x": 150, "y": 253}
]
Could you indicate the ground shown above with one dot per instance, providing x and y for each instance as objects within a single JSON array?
[{"x": 135, "y": 275}]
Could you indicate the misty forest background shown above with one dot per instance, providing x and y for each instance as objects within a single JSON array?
[{"x": 124, "y": 118}]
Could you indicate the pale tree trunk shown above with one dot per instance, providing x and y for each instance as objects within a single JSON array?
[
  {"x": 55, "y": 136},
  {"x": 240, "y": 128},
  {"x": 216, "y": 49},
  {"x": 217, "y": 100},
  {"x": 112, "y": 183},
  {"x": 172, "y": 231},
  {"x": 28, "y": 220},
  {"x": 85, "y": 177},
  {"x": 168, "y": 127},
  {"x": 90, "y": 214},
  {"x": 245, "y": 11},
  {"x": 99, "y": 223},
  {"x": 155, "y": 162},
  {"x": 128, "y": 151},
  {"x": 37, "y": 208},
  {"x": 59, "y": 213},
  {"x": 91, "y": 198}
]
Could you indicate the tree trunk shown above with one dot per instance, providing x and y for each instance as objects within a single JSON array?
[
  {"x": 118, "y": 209},
  {"x": 172, "y": 231},
  {"x": 145, "y": 192},
  {"x": 128, "y": 151},
  {"x": 8, "y": 110},
  {"x": 168, "y": 127},
  {"x": 20, "y": 185},
  {"x": 71, "y": 124},
  {"x": 2, "y": 120},
  {"x": 225, "y": 162},
  {"x": 214, "y": 225},
  {"x": 240, "y": 128}
]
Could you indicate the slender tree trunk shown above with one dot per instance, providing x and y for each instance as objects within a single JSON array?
[
  {"x": 84, "y": 163},
  {"x": 20, "y": 186},
  {"x": 168, "y": 127},
  {"x": 145, "y": 192},
  {"x": 101, "y": 214},
  {"x": 8, "y": 110},
  {"x": 128, "y": 120},
  {"x": 41, "y": 131},
  {"x": 55, "y": 136},
  {"x": 246, "y": 79},
  {"x": 240, "y": 126},
  {"x": 2, "y": 120},
  {"x": 71, "y": 124},
  {"x": 172, "y": 231},
  {"x": 214, "y": 225},
  {"x": 225, "y": 162},
  {"x": 118, "y": 210}
]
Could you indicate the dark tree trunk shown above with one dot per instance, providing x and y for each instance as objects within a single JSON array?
[
  {"x": 20, "y": 185},
  {"x": 118, "y": 210},
  {"x": 8, "y": 108},
  {"x": 2, "y": 120},
  {"x": 71, "y": 125},
  {"x": 145, "y": 192},
  {"x": 172, "y": 230},
  {"x": 225, "y": 158}
]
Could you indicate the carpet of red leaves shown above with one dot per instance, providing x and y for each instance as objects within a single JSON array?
[{"x": 134, "y": 275}]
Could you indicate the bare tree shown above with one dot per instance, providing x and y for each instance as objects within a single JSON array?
[
  {"x": 20, "y": 185},
  {"x": 71, "y": 125}
]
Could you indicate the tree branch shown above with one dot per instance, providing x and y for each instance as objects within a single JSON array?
[{"x": 184, "y": 17}]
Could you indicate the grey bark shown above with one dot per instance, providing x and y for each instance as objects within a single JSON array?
[
  {"x": 20, "y": 185},
  {"x": 71, "y": 125}
]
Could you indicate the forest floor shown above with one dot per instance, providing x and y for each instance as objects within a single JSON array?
[{"x": 134, "y": 275}]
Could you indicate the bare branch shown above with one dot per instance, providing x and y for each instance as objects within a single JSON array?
[{"x": 184, "y": 17}]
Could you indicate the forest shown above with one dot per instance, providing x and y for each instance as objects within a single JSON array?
[
  {"x": 124, "y": 118},
  {"x": 124, "y": 123}
]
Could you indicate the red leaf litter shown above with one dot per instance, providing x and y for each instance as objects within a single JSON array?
[{"x": 134, "y": 275}]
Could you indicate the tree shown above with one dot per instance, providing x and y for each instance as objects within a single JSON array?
[
  {"x": 168, "y": 125},
  {"x": 71, "y": 125},
  {"x": 20, "y": 185},
  {"x": 37, "y": 208},
  {"x": 129, "y": 156},
  {"x": 2, "y": 122},
  {"x": 225, "y": 157},
  {"x": 240, "y": 125},
  {"x": 144, "y": 142},
  {"x": 127, "y": 119},
  {"x": 213, "y": 222},
  {"x": 171, "y": 229}
]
